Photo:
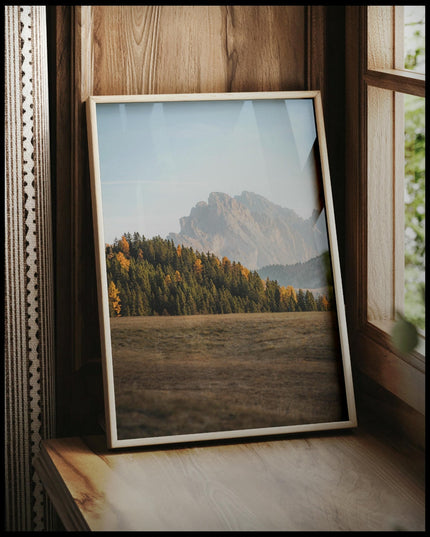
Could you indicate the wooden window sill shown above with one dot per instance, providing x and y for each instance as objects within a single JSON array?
[
  {"x": 347, "y": 481},
  {"x": 404, "y": 376},
  {"x": 382, "y": 333}
]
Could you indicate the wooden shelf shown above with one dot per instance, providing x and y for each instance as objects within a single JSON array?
[{"x": 347, "y": 481}]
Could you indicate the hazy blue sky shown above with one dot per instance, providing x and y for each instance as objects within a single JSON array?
[{"x": 158, "y": 160}]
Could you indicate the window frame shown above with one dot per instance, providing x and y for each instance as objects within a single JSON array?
[{"x": 373, "y": 59}]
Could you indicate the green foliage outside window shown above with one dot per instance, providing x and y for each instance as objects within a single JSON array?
[
  {"x": 414, "y": 308},
  {"x": 404, "y": 334},
  {"x": 415, "y": 210}
]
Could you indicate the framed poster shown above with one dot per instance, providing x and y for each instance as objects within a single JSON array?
[{"x": 221, "y": 304}]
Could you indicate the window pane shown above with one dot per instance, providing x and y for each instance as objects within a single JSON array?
[
  {"x": 414, "y": 38},
  {"x": 415, "y": 210}
]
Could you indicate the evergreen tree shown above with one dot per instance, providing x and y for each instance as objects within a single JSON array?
[
  {"x": 310, "y": 301},
  {"x": 301, "y": 303},
  {"x": 155, "y": 277}
]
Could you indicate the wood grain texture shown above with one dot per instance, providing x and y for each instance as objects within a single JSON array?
[
  {"x": 380, "y": 363},
  {"x": 330, "y": 25},
  {"x": 85, "y": 337},
  {"x": 316, "y": 49},
  {"x": 328, "y": 483},
  {"x": 197, "y": 49},
  {"x": 381, "y": 38},
  {"x": 396, "y": 80},
  {"x": 59, "y": 494},
  {"x": 382, "y": 413},
  {"x": 355, "y": 166},
  {"x": 399, "y": 203},
  {"x": 380, "y": 205},
  {"x": 59, "y": 58}
]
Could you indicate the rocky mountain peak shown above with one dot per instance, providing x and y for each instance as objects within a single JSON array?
[{"x": 250, "y": 229}]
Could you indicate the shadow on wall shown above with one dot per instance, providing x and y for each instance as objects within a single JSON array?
[{"x": 86, "y": 409}]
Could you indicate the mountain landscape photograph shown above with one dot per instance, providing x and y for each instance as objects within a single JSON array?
[{"x": 220, "y": 284}]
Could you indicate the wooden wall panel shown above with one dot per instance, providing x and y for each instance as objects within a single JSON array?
[
  {"x": 192, "y": 49},
  {"x": 119, "y": 50}
]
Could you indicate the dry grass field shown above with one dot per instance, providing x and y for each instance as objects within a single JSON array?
[{"x": 201, "y": 373}]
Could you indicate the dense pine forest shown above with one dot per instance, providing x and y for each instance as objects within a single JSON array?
[{"x": 154, "y": 277}]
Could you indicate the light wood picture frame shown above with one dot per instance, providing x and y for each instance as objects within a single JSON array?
[{"x": 220, "y": 296}]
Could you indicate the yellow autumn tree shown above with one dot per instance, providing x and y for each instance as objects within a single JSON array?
[
  {"x": 179, "y": 250},
  {"x": 198, "y": 266},
  {"x": 178, "y": 277},
  {"x": 124, "y": 246},
  {"x": 123, "y": 261},
  {"x": 114, "y": 300},
  {"x": 290, "y": 291},
  {"x": 226, "y": 263},
  {"x": 325, "y": 303},
  {"x": 283, "y": 293},
  {"x": 244, "y": 271}
]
